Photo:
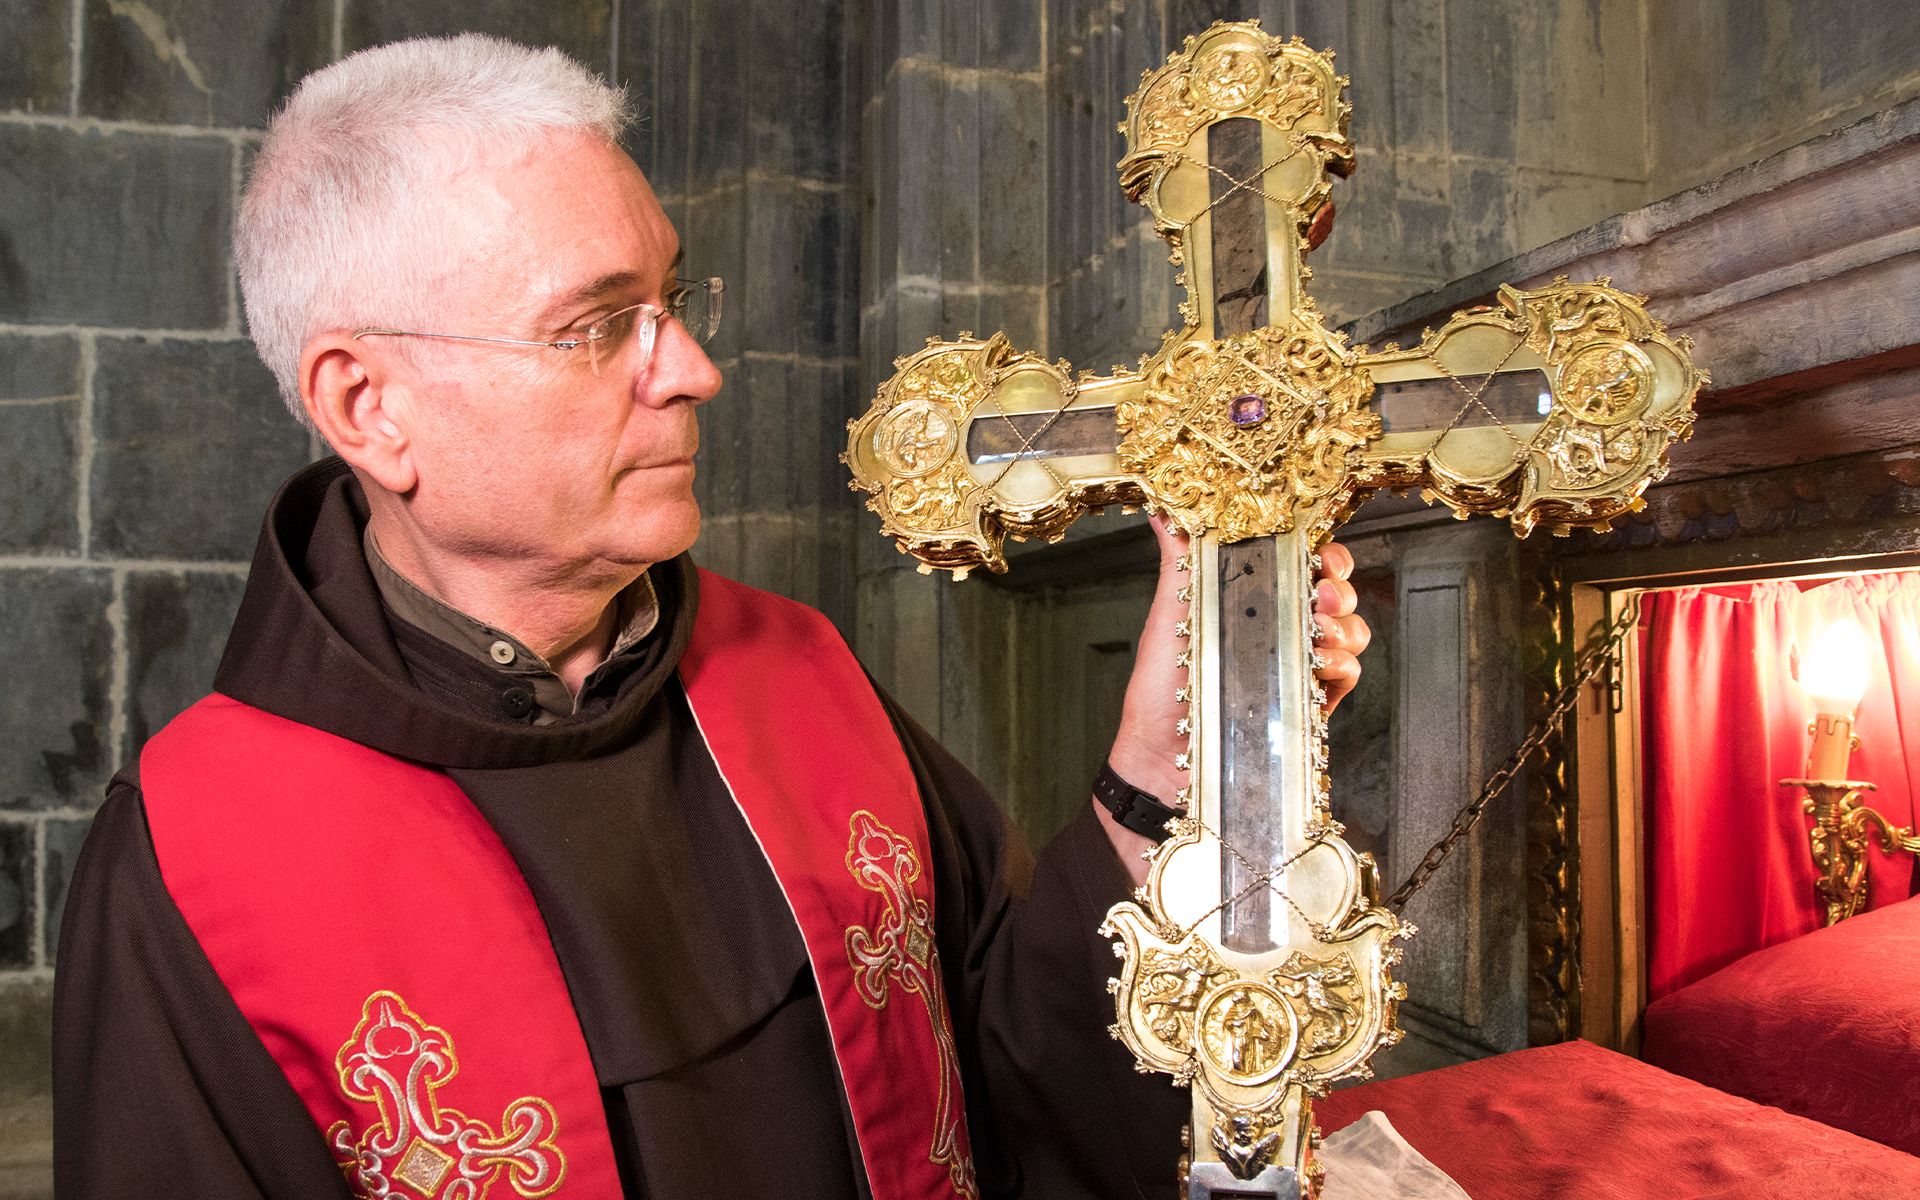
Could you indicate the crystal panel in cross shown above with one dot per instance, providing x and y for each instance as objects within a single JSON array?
[{"x": 998, "y": 438}]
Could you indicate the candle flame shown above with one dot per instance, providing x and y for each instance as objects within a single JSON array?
[{"x": 1836, "y": 670}]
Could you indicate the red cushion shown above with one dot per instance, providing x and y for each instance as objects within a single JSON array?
[
  {"x": 1826, "y": 1026},
  {"x": 1575, "y": 1122}
]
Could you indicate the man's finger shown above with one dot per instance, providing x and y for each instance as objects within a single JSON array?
[
  {"x": 1336, "y": 561},
  {"x": 1339, "y": 672},
  {"x": 1350, "y": 633},
  {"x": 1172, "y": 542},
  {"x": 1334, "y": 598}
]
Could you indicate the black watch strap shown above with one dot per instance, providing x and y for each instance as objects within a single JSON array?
[{"x": 1132, "y": 808}]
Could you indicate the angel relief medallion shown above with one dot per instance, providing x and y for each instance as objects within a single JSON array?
[
  {"x": 916, "y": 438},
  {"x": 420, "y": 1147},
  {"x": 1327, "y": 995}
]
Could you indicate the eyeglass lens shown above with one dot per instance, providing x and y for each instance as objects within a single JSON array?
[{"x": 698, "y": 306}]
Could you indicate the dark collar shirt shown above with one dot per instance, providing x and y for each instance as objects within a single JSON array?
[{"x": 468, "y": 661}]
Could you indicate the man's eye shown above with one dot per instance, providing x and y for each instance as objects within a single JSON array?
[
  {"x": 615, "y": 325},
  {"x": 677, "y": 300}
]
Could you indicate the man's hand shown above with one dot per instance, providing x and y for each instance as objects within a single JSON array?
[{"x": 1144, "y": 750}]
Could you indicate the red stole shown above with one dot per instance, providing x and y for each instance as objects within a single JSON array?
[
  {"x": 380, "y": 940},
  {"x": 814, "y": 764}
]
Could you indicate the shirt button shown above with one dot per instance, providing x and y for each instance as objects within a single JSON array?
[
  {"x": 502, "y": 652},
  {"x": 516, "y": 702}
]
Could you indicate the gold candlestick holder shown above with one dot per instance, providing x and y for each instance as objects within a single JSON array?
[{"x": 1843, "y": 829}]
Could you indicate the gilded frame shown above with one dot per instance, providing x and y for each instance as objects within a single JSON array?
[{"x": 1586, "y": 939}]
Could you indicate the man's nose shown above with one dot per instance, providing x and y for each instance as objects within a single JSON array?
[{"x": 681, "y": 369}]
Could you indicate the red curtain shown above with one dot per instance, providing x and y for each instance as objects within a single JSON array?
[{"x": 1723, "y": 720}]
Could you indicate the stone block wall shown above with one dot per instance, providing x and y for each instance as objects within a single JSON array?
[
  {"x": 1730, "y": 83},
  {"x": 140, "y": 437}
]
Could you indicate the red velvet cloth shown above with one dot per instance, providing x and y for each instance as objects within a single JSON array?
[
  {"x": 1723, "y": 721},
  {"x": 1575, "y": 1122},
  {"x": 1827, "y": 1026}
]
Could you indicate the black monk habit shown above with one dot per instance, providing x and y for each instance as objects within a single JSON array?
[{"x": 682, "y": 958}]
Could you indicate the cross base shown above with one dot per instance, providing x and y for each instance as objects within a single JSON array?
[{"x": 1213, "y": 1181}]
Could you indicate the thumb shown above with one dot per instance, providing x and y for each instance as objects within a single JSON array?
[{"x": 1172, "y": 542}]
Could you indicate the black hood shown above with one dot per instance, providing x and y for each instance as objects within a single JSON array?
[{"x": 312, "y": 643}]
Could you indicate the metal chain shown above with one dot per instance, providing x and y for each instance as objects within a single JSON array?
[{"x": 1600, "y": 653}]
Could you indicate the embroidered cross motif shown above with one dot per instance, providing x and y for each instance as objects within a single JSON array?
[
  {"x": 901, "y": 947},
  {"x": 398, "y": 1062}
]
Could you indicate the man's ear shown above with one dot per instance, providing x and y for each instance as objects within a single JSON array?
[{"x": 360, "y": 408}]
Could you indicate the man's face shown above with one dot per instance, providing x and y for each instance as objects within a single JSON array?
[{"x": 537, "y": 455}]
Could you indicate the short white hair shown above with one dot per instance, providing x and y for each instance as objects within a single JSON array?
[{"x": 334, "y": 230}]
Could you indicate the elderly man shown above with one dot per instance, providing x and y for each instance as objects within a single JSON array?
[{"x": 512, "y": 851}]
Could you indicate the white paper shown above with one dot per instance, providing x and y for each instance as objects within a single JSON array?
[{"x": 1369, "y": 1160}]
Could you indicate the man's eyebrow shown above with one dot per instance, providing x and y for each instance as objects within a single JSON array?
[{"x": 606, "y": 285}]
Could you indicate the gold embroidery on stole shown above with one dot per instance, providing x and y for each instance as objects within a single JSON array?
[
  {"x": 398, "y": 1062},
  {"x": 901, "y": 947}
]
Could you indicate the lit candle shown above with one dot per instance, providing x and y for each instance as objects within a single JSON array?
[{"x": 1834, "y": 675}]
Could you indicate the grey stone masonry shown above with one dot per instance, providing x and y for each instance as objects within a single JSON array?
[
  {"x": 119, "y": 227},
  {"x": 140, "y": 437},
  {"x": 184, "y": 418},
  {"x": 744, "y": 133},
  {"x": 57, "y": 707},
  {"x": 36, "y": 76},
  {"x": 198, "y": 64},
  {"x": 40, "y": 385}
]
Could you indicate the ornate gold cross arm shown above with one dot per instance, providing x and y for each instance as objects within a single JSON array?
[
  {"x": 1554, "y": 409},
  {"x": 1257, "y": 962}
]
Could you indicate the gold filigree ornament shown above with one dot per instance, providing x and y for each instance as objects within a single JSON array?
[
  {"x": 1234, "y": 71},
  {"x": 399, "y": 1063},
  {"x": 1239, "y": 435},
  {"x": 901, "y": 950},
  {"x": 950, "y": 507},
  {"x": 1622, "y": 392},
  {"x": 1258, "y": 1036}
]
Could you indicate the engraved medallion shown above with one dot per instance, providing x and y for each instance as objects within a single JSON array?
[
  {"x": 1229, "y": 78},
  {"x": 915, "y": 438},
  {"x": 1607, "y": 382},
  {"x": 1248, "y": 1032}
]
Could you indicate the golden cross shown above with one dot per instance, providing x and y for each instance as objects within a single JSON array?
[{"x": 1257, "y": 962}]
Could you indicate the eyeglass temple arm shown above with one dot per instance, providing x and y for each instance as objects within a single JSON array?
[{"x": 467, "y": 337}]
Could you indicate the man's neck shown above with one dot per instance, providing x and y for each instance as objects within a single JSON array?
[{"x": 570, "y": 623}]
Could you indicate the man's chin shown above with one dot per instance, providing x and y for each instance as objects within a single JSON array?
[{"x": 666, "y": 532}]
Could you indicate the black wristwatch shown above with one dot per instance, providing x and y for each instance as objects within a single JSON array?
[{"x": 1142, "y": 812}]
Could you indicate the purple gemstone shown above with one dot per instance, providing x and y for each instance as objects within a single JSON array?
[{"x": 1247, "y": 409}]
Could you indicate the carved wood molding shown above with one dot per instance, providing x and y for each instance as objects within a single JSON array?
[
  {"x": 1553, "y": 902},
  {"x": 1858, "y": 490}
]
